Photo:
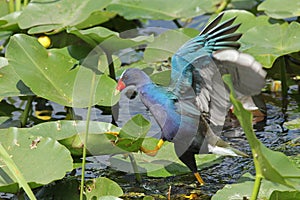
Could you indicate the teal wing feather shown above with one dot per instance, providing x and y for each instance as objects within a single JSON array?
[{"x": 198, "y": 66}]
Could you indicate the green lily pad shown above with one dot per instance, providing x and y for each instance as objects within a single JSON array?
[
  {"x": 243, "y": 189},
  {"x": 266, "y": 47},
  {"x": 9, "y": 22},
  {"x": 279, "y": 10},
  {"x": 164, "y": 164},
  {"x": 133, "y": 133},
  {"x": 101, "y": 187},
  {"x": 285, "y": 195},
  {"x": 57, "y": 15},
  {"x": 162, "y": 78},
  {"x": 109, "y": 40},
  {"x": 157, "y": 9},
  {"x": 71, "y": 134},
  {"x": 104, "y": 138},
  {"x": 293, "y": 124},
  {"x": 28, "y": 152},
  {"x": 53, "y": 71},
  {"x": 167, "y": 43},
  {"x": 10, "y": 83}
]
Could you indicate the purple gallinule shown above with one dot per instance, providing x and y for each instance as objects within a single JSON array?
[{"x": 196, "y": 101}]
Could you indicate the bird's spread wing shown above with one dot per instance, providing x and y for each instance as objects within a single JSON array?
[{"x": 198, "y": 66}]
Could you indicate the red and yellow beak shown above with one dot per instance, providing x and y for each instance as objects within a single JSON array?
[{"x": 121, "y": 85}]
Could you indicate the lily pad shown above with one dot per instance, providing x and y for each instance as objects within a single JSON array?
[
  {"x": 10, "y": 22},
  {"x": 57, "y": 15},
  {"x": 157, "y": 9},
  {"x": 279, "y": 10},
  {"x": 71, "y": 134},
  {"x": 104, "y": 138},
  {"x": 28, "y": 152},
  {"x": 101, "y": 187},
  {"x": 266, "y": 47},
  {"x": 10, "y": 83},
  {"x": 108, "y": 40},
  {"x": 243, "y": 189},
  {"x": 285, "y": 195},
  {"x": 132, "y": 134},
  {"x": 164, "y": 164},
  {"x": 293, "y": 124},
  {"x": 167, "y": 43},
  {"x": 53, "y": 71}
]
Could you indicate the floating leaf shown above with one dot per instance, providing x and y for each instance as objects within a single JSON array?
[
  {"x": 285, "y": 195},
  {"x": 101, "y": 187},
  {"x": 167, "y": 43},
  {"x": 266, "y": 47},
  {"x": 10, "y": 22},
  {"x": 57, "y": 15},
  {"x": 71, "y": 133},
  {"x": 109, "y": 40},
  {"x": 242, "y": 4},
  {"x": 279, "y": 10},
  {"x": 28, "y": 152},
  {"x": 133, "y": 133},
  {"x": 104, "y": 138},
  {"x": 53, "y": 71},
  {"x": 164, "y": 164},
  {"x": 10, "y": 83},
  {"x": 293, "y": 124},
  {"x": 161, "y": 78},
  {"x": 157, "y": 9},
  {"x": 243, "y": 189}
]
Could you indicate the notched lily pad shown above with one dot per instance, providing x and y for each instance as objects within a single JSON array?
[{"x": 28, "y": 152}]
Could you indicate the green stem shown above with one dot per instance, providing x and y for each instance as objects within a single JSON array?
[
  {"x": 26, "y": 111},
  {"x": 222, "y": 6},
  {"x": 18, "y": 5},
  {"x": 25, "y": 3},
  {"x": 11, "y": 6},
  {"x": 258, "y": 175},
  {"x": 256, "y": 188},
  {"x": 86, "y": 134},
  {"x": 70, "y": 113},
  {"x": 135, "y": 168},
  {"x": 284, "y": 87},
  {"x": 112, "y": 74},
  {"x": 111, "y": 66},
  {"x": 5, "y": 157}
]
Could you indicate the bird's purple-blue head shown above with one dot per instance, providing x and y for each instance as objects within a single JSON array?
[{"x": 132, "y": 77}]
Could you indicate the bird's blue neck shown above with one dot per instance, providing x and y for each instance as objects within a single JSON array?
[{"x": 161, "y": 104}]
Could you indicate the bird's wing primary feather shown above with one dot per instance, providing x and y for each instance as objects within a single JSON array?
[{"x": 198, "y": 66}]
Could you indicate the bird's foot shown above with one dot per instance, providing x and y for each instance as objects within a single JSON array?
[
  {"x": 199, "y": 179},
  {"x": 153, "y": 152},
  {"x": 149, "y": 152}
]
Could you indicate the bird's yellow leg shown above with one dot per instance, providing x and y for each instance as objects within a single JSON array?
[
  {"x": 112, "y": 133},
  {"x": 153, "y": 152},
  {"x": 199, "y": 179}
]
